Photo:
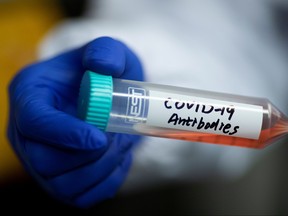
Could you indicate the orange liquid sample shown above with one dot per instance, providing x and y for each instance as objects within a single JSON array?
[
  {"x": 266, "y": 137},
  {"x": 274, "y": 127}
]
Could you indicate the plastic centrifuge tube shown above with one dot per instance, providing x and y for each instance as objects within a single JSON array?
[{"x": 126, "y": 106}]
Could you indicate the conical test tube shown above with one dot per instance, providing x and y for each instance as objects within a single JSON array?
[{"x": 133, "y": 107}]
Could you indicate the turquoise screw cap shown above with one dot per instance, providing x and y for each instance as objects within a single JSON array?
[{"x": 95, "y": 99}]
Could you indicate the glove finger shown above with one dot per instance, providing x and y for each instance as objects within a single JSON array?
[
  {"x": 107, "y": 188},
  {"x": 105, "y": 55},
  {"x": 133, "y": 66},
  {"x": 39, "y": 120},
  {"x": 92, "y": 173},
  {"x": 49, "y": 161},
  {"x": 111, "y": 57}
]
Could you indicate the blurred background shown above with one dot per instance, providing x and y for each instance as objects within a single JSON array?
[{"x": 262, "y": 191}]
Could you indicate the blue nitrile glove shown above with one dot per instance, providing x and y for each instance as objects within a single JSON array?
[{"x": 74, "y": 161}]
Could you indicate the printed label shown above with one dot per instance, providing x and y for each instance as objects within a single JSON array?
[
  {"x": 204, "y": 115},
  {"x": 135, "y": 105}
]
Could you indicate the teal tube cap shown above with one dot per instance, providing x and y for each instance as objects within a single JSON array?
[{"x": 95, "y": 99}]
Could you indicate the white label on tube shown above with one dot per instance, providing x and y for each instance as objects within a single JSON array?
[{"x": 168, "y": 110}]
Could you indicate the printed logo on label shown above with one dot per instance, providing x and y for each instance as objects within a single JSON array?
[{"x": 135, "y": 105}]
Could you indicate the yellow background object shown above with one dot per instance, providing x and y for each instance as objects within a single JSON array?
[{"x": 23, "y": 23}]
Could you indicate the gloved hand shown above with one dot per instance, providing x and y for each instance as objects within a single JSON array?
[{"x": 74, "y": 161}]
